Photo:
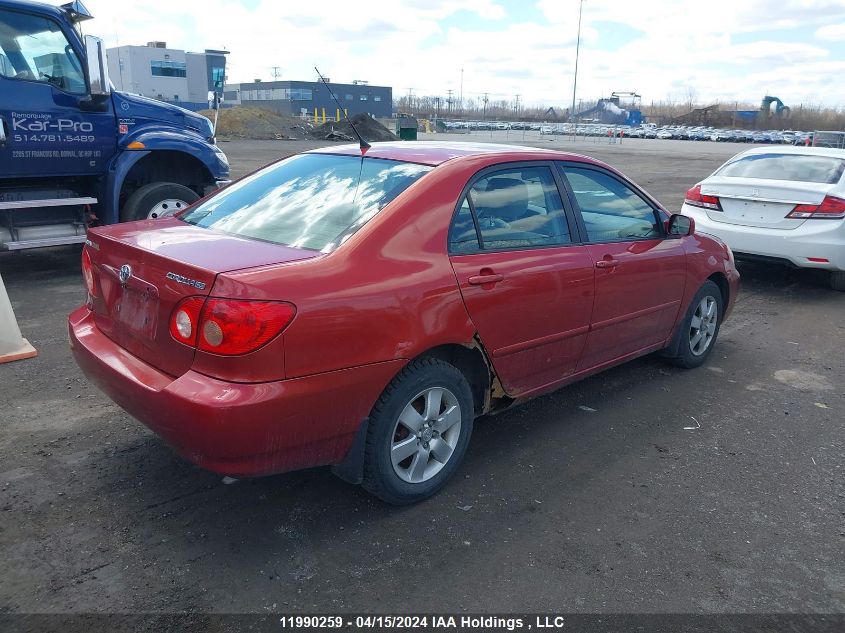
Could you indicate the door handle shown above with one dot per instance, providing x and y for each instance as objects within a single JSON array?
[
  {"x": 485, "y": 278},
  {"x": 607, "y": 263}
]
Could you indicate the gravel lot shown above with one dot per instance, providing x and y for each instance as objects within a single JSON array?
[{"x": 597, "y": 498}]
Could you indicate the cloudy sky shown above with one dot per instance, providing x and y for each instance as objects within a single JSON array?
[{"x": 663, "y": 49}]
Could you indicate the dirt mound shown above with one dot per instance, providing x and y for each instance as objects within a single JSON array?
[
  {"x": 258, "y": 123},
  {"x": 368, "y": 127}
]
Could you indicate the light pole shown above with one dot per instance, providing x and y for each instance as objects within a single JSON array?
[
  {"x": 462, "y": 90},
  {"x": 577, "y": 51}
]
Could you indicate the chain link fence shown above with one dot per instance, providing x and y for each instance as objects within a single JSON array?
[{"x": 822, "y": 138}]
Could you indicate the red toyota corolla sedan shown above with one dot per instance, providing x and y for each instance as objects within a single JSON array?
[{"x": 361, "y": 310}]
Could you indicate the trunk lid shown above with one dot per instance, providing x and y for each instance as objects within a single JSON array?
[
  {"x": 761, "y": 203},
  {"x": 167, "y": 261}
]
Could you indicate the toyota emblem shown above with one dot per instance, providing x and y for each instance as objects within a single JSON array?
[{"x": 125, "y": 273}]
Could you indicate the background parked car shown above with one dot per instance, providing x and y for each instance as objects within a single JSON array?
[{"x": 778, "y": 204}]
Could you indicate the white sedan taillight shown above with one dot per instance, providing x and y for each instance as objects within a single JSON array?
[
  {"x": 831, "y": 208},
  {"x": 695, "y": 198}
]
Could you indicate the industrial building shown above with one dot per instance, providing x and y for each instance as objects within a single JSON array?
[
  {"x": 296, "y": 98},
  {"x": 167, "y": 74}
]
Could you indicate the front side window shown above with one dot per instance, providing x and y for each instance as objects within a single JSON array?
[
  {"x": 35, "y": 49},
  {"x": 795, "y": 167},
  {"x": 610, "y": 209},
  {"x": 514, "y": 208},
  {"x": 313, "y": 201}
]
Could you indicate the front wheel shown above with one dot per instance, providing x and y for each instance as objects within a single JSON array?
[
  {"x": 418, "y": 432},
  {"x": 700, "y": 327},
  {"x": 155, "y": 200}
]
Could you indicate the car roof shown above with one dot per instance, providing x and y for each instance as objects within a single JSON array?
[
  {"x": 796, "y": 149},
  {"x": 436, "y": 152}
]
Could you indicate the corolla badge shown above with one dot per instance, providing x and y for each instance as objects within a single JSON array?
[
  {"x": 125, "y": 273},
  {"x": 755, "y": 191},
  {"x": 199, "y": 285}
]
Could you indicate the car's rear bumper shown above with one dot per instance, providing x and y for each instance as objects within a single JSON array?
[
  {"x": 814, "y": 244},
  {"x": 235, "y": 428}
]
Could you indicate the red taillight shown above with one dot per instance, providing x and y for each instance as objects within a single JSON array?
[
  {"x": 231, "y": 327},
  {"x": 88, "y": 273},
  {"x": 831, "y": 208},
  {"x": 228, "y": 327},
  {"x": 185, "y": 320},
  {"x": 696, "y": 199}
]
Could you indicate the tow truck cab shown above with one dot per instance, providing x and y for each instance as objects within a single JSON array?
[{"x": 74, "y": 152}]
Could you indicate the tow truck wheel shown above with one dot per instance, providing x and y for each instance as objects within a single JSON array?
[{"x": 155, "y": 200}]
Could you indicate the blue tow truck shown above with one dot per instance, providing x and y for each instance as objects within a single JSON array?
[{"x": 76, "y": 153}]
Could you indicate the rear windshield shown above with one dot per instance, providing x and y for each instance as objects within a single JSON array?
[
  {"x": 312, "y": 201},
  {"x": 800, "y": 167}
]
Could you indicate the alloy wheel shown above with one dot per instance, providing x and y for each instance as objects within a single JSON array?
[
  {"x": 703, "y": 325},
  {"x": 425, "y": 435}
]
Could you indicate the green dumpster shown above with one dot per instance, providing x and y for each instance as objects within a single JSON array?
[{"x": 406, "y": 128}]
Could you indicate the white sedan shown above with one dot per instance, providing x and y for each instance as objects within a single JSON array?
[{"x": 780, "y": 204}]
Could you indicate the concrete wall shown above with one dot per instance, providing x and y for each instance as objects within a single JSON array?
[
  {"x": 197, "y": 77},
  {"x": 130, "y": 70}
]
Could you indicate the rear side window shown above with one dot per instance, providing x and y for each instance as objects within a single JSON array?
[
  {"x": 797, "y": 167},
  {"x": 515, "y": 208},
  {"x": 313, "y": 201}
]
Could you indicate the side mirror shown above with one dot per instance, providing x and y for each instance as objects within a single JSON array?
[
  {"x": 98, "y": 68},
  {"x": 680, "y": 225}
]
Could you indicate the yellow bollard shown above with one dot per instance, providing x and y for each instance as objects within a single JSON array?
[
  {"x": 315, "y": 116},
  {"x": 337, "y": 115},
  {"x": 345, "y": 112},
  {"x": 324, "y": 115}
]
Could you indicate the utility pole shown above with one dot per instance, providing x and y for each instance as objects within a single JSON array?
[
  {"x": 484, "y": 100},
  {"x": 462, "y": 90},
  {"x": 516, "y": 105},
  {"x": 410, "y": 99},
  {"x": 449, "y": 102},
  {"x": 277, "y": 72},
  {"x": 577, "y": 51}
]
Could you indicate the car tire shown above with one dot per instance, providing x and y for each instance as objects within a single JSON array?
[
  {"x": 700, "y": 328},
  {"x": 837, "y": 280},
  {"x": 156, "y": 199},
  {"x": 427, "y": 409}
]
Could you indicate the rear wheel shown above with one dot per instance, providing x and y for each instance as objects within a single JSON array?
[
  {"x": 837, "y": 280},
  {"x": 418, "y": 432},
  {"x": 700, "y": 327},
  {"x": 155, "y": 200}
]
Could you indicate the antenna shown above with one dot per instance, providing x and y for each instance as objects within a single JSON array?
[{"x": 361, "y": 142}]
